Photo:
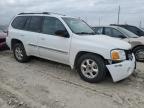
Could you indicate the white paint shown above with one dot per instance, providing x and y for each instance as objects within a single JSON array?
[{"x": 98, "y": 44}]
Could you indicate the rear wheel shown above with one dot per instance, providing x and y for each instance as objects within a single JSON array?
[
  {"x": 91, "y": 68},
  {"x": 20, "y": 53},
  {"x": 139, "y": 53}
]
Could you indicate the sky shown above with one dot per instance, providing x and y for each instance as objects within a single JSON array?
[{"x": 95, "y": 12}]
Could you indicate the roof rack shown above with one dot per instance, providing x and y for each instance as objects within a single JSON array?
[
  {"x": 117, "y": 24},
  {"x": 48, "y": 13}
]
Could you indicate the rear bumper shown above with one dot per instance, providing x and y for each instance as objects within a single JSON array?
[
  {"x": 8, "y": 43},
  {"x": 122, "y": 70}
]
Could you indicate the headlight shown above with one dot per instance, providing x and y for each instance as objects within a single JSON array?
[{"x": 118, "y": 55}]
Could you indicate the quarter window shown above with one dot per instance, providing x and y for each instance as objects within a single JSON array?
[
  {"x": 51, "y": 25},
  {"x": 19, "y": 22}
]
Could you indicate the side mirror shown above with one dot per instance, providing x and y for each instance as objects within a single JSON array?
[{"x": 62, "y": 33}]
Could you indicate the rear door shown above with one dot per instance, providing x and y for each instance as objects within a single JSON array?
[
  {"x": 16, "y": 30},
  {"x": 51, "y": 45},
  {"x": 31, "y": 32}
]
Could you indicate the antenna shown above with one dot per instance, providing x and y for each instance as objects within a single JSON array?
[
  {"x": 48, "y": 13},
  {"x": 119, "y": 9}
]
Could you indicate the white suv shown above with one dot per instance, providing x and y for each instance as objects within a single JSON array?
[{"x": 69, "y": 41}]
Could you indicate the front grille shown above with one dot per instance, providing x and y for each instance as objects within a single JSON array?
[{"x": 128, "y": 54}]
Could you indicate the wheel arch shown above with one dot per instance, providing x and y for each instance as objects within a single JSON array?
[
  {"x": 137, "y": 47},
  {"x": 81, "y": 53},
  {"x": 15, "y": 41}
]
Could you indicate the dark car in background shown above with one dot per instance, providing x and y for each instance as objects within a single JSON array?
[
  {"x": 3, "y": 36},
  {"x": 136, "y": 42},
  {"x": 136, "y": 30}
]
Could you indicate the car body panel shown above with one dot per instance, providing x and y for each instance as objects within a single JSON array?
[
  {"x": 122, "y": 70},
  {"x": 94, "y": 44},
  {"x": 64, "y": 50},
  {"x": 139, "y": 41},
  {"x": 136, "y": 41}
]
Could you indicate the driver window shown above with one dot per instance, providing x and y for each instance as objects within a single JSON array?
[{"x": 51, "y": 25}]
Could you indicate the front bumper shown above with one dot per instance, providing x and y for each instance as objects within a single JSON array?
[{"x": 122, "y": 70}]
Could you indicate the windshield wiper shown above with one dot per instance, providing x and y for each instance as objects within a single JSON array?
[{"x": 86, "y": 33}]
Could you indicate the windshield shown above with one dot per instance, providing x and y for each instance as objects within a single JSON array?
[
  {"x": 78, "y": 26},
  {"x": 128, "y": 33}
]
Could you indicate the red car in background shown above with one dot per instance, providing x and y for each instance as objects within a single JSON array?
[{"x": 3, "y": 36}]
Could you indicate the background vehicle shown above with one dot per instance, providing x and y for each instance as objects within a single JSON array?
[
  {"x": 3, "y": 40},
  {"x": 69, "y": 41},
  {"x": 133, "y": 29},
  {"x": 121, "y": 33}
]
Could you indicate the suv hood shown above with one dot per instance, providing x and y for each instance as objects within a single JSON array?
[{"x": 106, "y": 41}]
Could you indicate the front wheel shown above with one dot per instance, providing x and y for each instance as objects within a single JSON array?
[
  {"x": 139, "y": 53},
  {"x": 20, "y": 53},
  {"x": 91, "y": 68}
]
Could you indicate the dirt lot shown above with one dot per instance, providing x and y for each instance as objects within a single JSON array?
[{"x": 45, "y": 84}]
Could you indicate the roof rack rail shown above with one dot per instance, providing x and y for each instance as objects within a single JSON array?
[
  {"x": 34, "y": 13},
  {"x": 48, "y": 13},
  {"x": 57, "y": 13}
]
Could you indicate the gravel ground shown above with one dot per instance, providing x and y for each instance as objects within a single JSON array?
[{"x": 44, "y": 84}]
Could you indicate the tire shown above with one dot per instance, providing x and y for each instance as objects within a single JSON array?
[
  {"x": 98, "y": 72},
  {"x": 139, "y": 51},
  {"x": 23, "y": 58}
]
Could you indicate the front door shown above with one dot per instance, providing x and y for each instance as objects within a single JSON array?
[{"x": 52, "y": 46}]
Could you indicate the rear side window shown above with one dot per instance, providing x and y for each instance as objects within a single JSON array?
[
  {"x": 19, "y": 22},
  {"x": 35, "y": 24}
]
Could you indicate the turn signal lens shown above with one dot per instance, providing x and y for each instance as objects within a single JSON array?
[
  {"x": 115, "y": 55},
  {"x": 118, "y": 55}
]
